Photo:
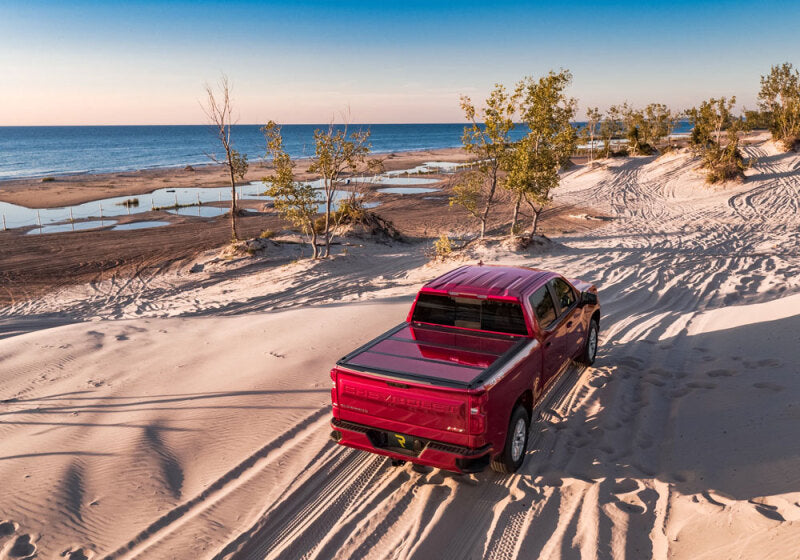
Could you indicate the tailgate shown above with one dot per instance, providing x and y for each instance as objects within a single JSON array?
[{"x": 429, "y": 412}]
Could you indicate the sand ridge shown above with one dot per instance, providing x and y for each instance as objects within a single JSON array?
[{"x": 187, "y": 417}]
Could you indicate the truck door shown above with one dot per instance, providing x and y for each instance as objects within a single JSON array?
[
  {"x": 553, "y": 339},
  {"x": 569, "y": 318}
]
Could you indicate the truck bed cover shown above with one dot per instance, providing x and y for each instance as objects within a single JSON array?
[{"x": 435, "y": 355}]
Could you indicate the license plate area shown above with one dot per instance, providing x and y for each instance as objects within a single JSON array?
[{"x": 394, "y": 441}]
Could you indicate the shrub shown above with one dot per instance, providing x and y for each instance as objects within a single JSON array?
[
  {"x": 267, "y": 234},
  {"x": 129, "y": 202},
  {"x": 48, "y": 179},
  {"x": 442, "y": 247}
]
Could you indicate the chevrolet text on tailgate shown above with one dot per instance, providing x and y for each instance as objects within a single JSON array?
[{"x": 455, "y": 386}]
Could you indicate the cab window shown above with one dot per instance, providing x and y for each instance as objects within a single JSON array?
[
  {"x": 564, "y": 294},
  {"x": 543, "y": 307}
]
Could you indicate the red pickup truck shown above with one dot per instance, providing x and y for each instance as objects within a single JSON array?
[{"x": 455, "y": 385}]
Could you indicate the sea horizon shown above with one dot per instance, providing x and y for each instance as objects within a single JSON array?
[{"x": 30, "y": 152}]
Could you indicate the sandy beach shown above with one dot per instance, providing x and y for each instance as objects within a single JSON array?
[
  {"x": 183, "y": 412},
  {"x": 37, "y": 264}
]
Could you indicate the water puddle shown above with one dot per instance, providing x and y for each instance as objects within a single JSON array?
[
  {"x": 193, "y": 201},
  {"x": 79, "y": 226},
  {"x": 407, "y": 190},
  {"x": 200, "y": 211},
  {"x": 140, "y": 225}
]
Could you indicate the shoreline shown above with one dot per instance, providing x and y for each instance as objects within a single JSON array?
[{"x": 72, "y": 189}]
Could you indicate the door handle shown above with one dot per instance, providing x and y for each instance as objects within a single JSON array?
[{"x": 547, "y": 344}]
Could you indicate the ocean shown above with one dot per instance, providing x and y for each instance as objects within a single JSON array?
[{"x": 39, "y": 151}]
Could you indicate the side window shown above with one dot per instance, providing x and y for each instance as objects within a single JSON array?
[
  {"x": 544, "y": 307},
  {"x": 564, "y": 294}
]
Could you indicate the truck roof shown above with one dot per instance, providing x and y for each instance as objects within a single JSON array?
[{"x": 489, "y": 280}]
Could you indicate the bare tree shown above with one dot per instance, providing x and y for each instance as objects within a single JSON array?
[{"x": 219, "y": 110}]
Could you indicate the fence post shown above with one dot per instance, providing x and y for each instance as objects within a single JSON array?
[
  {"x": 38, "y": 218},
  {"x": 4, "y": 223},
  {"x": 71, "y": 219}
]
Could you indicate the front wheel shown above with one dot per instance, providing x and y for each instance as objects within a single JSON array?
[
  {"x": 590, "y": 349},
  {"x": 516, "y": 443}
]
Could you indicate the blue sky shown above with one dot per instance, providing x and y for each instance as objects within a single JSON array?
[{"x": 301, "y": 62}]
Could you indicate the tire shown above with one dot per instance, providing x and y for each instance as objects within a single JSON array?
[
  {"x": 513, "y": 454},
  {"x": 590, "y": 348}
]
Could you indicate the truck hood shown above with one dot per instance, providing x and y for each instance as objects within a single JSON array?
[{"x": 436, "y": 354}]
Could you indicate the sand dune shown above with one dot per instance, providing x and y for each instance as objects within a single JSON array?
[{"x": 186, "y": 415}]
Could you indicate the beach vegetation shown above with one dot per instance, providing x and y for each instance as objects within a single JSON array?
[
  {"x": 610, "y": 129},
  {"x": 338, "y": 152},
  {"x": 487, "y": 138},
  {"x": 129, "y": 202},
  {"x": 295, "y": 201},
  {"x": 468, "y": 193},
  {"x": 442, "y": 247},
  {"x": 720, "y": 155},
  {"x": 758, "y": 120},
  {"x": 535, "y": 161},
  {"x": 267, "y": 234},
  {"x": 218, "y": 108},
  {"x": 591, "y": 129},
  {"x": 48, "y": 179},
  {"x": 780, "y": 99}
]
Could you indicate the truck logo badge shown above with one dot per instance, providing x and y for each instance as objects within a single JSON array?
[{"x": 401, "y": 440}]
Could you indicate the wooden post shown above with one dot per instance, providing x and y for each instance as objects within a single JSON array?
[
  {"x": 101, "y": 213},
  {"x": 4, "y": 223},
  {"x": 176, "y": 201},
  {"x": 71, "y": 219},
  {"x": 198, "y": 200}
]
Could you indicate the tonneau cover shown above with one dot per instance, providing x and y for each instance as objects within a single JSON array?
[{"x": 434, "y": 354}]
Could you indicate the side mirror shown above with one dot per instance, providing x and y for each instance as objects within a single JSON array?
[{"x": 588, "y": 298}]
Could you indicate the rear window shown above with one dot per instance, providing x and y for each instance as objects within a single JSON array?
[{"x": 482, "y": 314}]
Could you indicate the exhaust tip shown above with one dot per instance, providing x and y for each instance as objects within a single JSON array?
[{"x": 336, "y": 436}]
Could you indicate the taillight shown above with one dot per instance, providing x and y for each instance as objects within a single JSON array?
[
  {"x": 477, "y": 413},
  {"x": 334, "y": 396}
]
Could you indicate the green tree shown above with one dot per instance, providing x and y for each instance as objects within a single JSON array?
[
  {"x": 589, "y": 132},
  {"x": 633, "y": 125},
  {"x": 535, "y": 162},
  {"x": 657, "y": 122},
  {"x": 780, "y": 97},
  {"x": 610, "y": 128},
  {"x": 487, "y": 138},
  {"x": 713, "y": 118},
  {"x": 296, "y": 202},
  {"x": 468, "y": 191},
  {"x": 337, "y": 153},
  {"x": 219, "y": 110}
]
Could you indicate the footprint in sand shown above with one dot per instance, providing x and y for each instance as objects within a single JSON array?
[
  {"x": 770, "y": 386},
  {"x": 7, "y": 528},
  {"x": 22, "y": 548},
  {"x": 625, "y": 486},
  {"x": 721, "y": 373},
  {"x": 599, "y": 381},
  {"x": 75, "y": 554}
]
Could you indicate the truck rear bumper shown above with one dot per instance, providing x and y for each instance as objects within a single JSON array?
[{"x": 431, "y": 453}]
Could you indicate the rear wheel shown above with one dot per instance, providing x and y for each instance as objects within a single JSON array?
[
  {"x": 590, "y": 349},
  {"x": 516, "y": 443}
]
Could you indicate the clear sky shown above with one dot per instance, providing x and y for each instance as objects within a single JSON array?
[{"x": 139, "y": 62}]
